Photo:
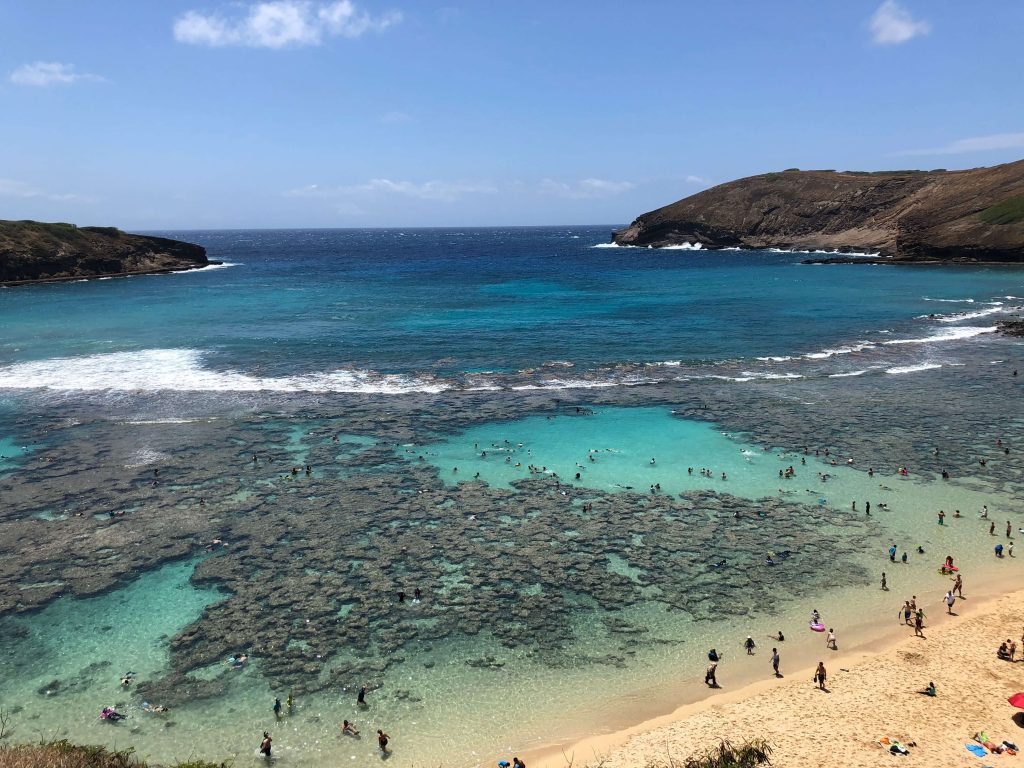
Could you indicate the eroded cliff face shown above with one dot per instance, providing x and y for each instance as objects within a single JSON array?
[
  {"x": 32, "y": 251},
  {"x": 905, "y": 215}
]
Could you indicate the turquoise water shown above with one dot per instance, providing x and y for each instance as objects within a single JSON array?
[
  {"x": 551, "y": 610},
  {"x": 387, "y": 310}
]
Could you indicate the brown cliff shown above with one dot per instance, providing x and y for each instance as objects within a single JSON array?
[
  {"x": 31, "y": 251},
  {"x": 974, "y": 215}
]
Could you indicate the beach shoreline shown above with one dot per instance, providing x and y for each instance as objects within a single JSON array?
[{"x": 995, "y": 611}]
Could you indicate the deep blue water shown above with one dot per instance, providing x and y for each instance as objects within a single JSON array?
[{"x": 458, "y": 300}]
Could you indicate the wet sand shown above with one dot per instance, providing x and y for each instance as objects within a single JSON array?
[{"x": 872, "y": 693}]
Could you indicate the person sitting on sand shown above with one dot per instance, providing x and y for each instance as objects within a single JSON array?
[
  {"x": 1004, "y": 651},
  {"x": 781, "y": 637},
  {"x": 929, "y": 691},
  {"x": 349, "y": 729}
]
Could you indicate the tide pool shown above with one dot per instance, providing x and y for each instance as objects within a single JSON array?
[{"x": 612, "y": 449}]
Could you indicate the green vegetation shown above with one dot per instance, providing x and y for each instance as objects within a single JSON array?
[
  {"x": 749, "y": 754},
  {"x": 1006, "y": 212},
  {"x": 64, "y": 754}
]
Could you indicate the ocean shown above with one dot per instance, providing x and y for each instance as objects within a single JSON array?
[{"x": 579, "y": 455}]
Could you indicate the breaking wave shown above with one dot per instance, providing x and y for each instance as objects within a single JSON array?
[{"x": 153, "y": 370}]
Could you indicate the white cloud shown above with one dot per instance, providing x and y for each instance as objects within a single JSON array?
[
  {"x": 445, "y": 191},
  {"x": 697, "y": 179},
  {"x": 43, "y": 73},
  {"x": 280, "y": 23},
  {"x": 585, "y": 188},
  {"x": 892, "y": 24},
  {"x": 975, "y": 144},
  {"x": 15, "y": 188}
]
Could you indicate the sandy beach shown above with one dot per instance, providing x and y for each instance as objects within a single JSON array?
[{"x": 870, "y": 694}]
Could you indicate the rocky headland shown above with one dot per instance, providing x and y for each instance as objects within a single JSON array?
[
  {"x": 906, "y": 216},
  {"x": 33, "y": 251}
]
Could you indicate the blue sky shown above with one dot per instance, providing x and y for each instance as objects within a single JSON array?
[{"x": 330, "y": 113}]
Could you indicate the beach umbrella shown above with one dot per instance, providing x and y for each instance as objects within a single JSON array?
[{"x": 1017, "y": 700}]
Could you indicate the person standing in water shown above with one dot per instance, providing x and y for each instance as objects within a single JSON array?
[
  {"x": 709, "y": 675},
  {"x": 775, "y": 661},
  {"x": 382, "y": 742},
  {"x": 361, "y": 697},
  {"x": 265, "y": 745},
  {"x": 749, "y": 645},
  {"x": 830, "y": 641},
  {"x": 958, "y": 586},
  {"x": 277, "y": 708}
]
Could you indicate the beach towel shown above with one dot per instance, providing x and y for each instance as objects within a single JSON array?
[{"x": 976, "y": 749}]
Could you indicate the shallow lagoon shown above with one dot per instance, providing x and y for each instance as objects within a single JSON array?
[{"x": 643, "y": 658}]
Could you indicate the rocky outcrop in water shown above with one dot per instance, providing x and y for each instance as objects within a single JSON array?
[
  {"x": 1014, "y": 326},
  {"x": 910, "y": 216},
  {"x": 31, "y": 251}
]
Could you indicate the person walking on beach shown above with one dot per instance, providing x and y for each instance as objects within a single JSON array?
[
  {"x": 949, "y": 602},
  {"x": 892, "y": 553},
  {"x": 819, "y": 675},
  {"x": 958, "y": 586},
  {"x": 709, "y": 676},
  {"x": 830, "y": 641},
  {"x": 1009, "y": 530},
  {"x": 992, "y": 528},
  {"x": 906, "y": 611},
  {"x": 265, "y": 745},
  {"x": 775, "y": 661},
  {"x": 885, "y": 587},
  {"x": 382, "y": 742},
  {"x": 749, "y": 645},
  {"x": 919, "y": 624}
]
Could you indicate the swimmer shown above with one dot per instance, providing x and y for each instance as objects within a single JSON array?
[
  {"x": 349, "y": 729},
  {"x": 127, "y": 679}
]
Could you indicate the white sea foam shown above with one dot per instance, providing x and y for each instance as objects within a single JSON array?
[
  {"x": 953, "y": 334},
  {"x": 569, "y": 384},
  {"x": 753, "y": 376},
  {"x": 780, "y": 359},
  {"x": 994, "y": 308},
  {"x": 953, "y": 301},
  {"x": 859, "y": 346},
  {"x": 847, "y": 374},
  {"x": 182, "y": 369},
  {"x": 682, "y": 247},
  {"x": 225, "y": 265},
  {"x": 611, "y": 245},
  {"x": 913, "y": 368}
]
